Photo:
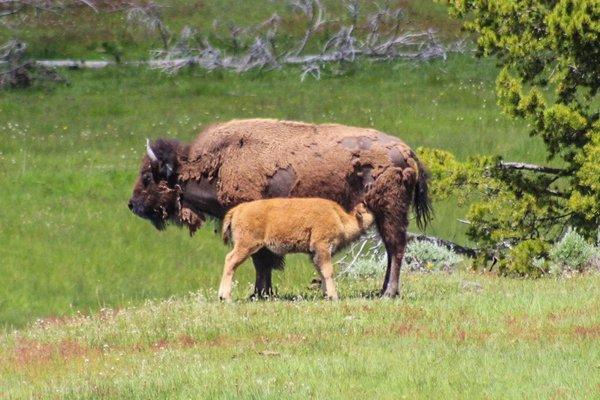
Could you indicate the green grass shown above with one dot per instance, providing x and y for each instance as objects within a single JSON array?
[
  {"x": 95, "y": 277},
  {"x": 70, "y": 155},
  {"x": 80, "y": 32},
  {"x": 451, "y": 336}
]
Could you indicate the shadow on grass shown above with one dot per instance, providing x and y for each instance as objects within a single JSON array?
[{"x": 315, "y": 295}]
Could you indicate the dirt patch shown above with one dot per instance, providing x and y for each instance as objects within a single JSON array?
[
  {"x": 408, "y": 329},
  {"x": 186, "y": 341},
  {"x": 51, "y": 321},
  {"x": 521, "y": 327},
  {"x": 574, "y": 313},
  {"x": 549, "y": 329},
  {"x": 586, "y": 332},
  {"x": 461, "y": 335},
  {"x": 28, "y": 352}
]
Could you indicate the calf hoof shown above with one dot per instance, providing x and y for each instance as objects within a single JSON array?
[{"x": 225, "y": 298}]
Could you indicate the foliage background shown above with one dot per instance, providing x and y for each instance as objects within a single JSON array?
[{"x": 550, "y": 76}]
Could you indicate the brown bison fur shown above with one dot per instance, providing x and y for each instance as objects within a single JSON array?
[
  {"x": 245, "y": 160},
  {"x": 314, "y": 226}
]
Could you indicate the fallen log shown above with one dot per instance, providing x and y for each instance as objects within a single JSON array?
[{"x": 454, "y": 247}]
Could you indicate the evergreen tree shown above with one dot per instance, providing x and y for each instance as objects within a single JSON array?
[{"x": 549, "y": 54}]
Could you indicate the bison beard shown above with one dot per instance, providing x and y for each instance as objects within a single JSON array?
[{"x": 245, "y": 160}]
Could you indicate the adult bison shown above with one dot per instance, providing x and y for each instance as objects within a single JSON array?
[{"x": 244, "y": 160}]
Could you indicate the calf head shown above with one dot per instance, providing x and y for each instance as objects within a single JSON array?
[
  {"x": 364, "y": 216},
  {"x": 156, "y": 193}
]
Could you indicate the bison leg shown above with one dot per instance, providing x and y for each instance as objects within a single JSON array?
[
  {"x": 263, "y": 286},
  {"x": 395, "y": 243},
  {"x": 390, "y": 198},
  {"x": 264, "y": 262}
]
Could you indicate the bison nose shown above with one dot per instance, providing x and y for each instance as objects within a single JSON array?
[{"x": 130, "y": 205}]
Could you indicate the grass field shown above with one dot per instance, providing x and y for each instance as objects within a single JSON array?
[
  {"x": 69, "y": 157},
  {"x": 95, "y": 303},
  {"x": 455, "y": 336}
]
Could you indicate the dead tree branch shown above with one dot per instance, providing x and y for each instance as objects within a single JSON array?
[
  {"x": 454, "y": 247},
  {"x": 149, "y": 15},
  {"x": 378, "y": 36},
  {"x": 314, "y": 11},
  {"x": 529, "y": 167},
  {"x": 17, "y": 70},
  {"x": 383, "y": 38}
]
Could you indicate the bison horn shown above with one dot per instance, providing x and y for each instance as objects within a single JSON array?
[{"x": 150, "y": 152}]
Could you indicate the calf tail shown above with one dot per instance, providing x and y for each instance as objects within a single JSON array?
[
  {"x": 226, "y": 231},
  {"x": 421, "y": 200}
]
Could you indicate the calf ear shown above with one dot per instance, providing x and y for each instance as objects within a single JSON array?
[{"x": 359, "y": 217}]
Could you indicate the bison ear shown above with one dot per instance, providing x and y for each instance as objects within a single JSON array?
[
  {"x": 163, "y": 156},
  {"x": 167, "y": 169}
]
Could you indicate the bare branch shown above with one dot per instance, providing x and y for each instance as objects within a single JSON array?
[
  {"x": 89, "y": 4},
  {"x": 454, "y": 247},
  {"x": 381, "y": 37},
  {"x": 149, "y": 15},
  {"x": 529, "y": 167},
  {"x": 311, "y": 69},
  {"x": 314, "y": 11}
]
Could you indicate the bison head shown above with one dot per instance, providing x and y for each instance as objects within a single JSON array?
[{"x": 156, "y": 193}]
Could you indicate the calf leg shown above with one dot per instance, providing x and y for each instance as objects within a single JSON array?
[
  {"x": 233, "y": 260},
  {"x": 324, "y": 265},
  {"x": 264, "y": 263}
]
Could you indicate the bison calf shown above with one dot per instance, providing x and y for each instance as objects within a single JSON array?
[{"x": 315, "y": 226}]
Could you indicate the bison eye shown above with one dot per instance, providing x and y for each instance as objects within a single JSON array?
[{"x": 146, "y": 179}]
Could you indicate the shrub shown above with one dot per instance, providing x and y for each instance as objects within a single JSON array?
[
  {"x": 573, "y": 253},
  {"x": 528, "y": 258},
  {"x": 419, "y": 257},
  {"x": 426, "y": 256},
  {"x": 364, "y": 267}
]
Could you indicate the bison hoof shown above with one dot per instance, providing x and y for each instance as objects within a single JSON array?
[
  {"x": 389, "y": 294},
  {"x": 315, "y": 283},
  {"x": 261, "y": 295}
]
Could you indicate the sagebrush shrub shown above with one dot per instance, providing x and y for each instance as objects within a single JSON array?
[
  {"x": 425, "y": 256},
  {"x": 365, "y": 267},
  {"x": 419, "y": 257},
  {"x": 572, "y": 253}
]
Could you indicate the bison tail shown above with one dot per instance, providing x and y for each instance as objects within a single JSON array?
[
  {"x": 226, "y": 231},
  {"x": 421, "y": 200}
]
